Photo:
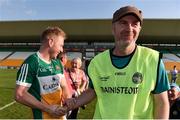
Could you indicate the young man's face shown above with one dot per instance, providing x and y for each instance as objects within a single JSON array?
[
  {"x": 126, "y": 30},
  {"x": 56, "y": 46}
]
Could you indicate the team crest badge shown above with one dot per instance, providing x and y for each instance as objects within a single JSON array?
[{"x": 137, "y": 78}]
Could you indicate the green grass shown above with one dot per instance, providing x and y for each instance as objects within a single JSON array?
[
  {"x": 19, "y": 111},
  {"x": 7, "y": 85}
]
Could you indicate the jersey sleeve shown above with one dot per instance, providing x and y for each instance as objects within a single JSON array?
[
  {"x": 27, "y": 72},
  {"x": 162, "y": 81}
]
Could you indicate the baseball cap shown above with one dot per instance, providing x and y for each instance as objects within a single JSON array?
[
  {"x": 175, "y": 85},
  {"x": 118, "y": 14}
]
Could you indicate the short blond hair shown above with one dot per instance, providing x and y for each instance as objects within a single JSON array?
[{"x": 52, "y": 31}]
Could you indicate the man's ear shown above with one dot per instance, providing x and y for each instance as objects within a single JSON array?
[{"x": 50, "y": 42}]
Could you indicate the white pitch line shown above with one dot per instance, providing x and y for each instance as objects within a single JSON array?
[{"x": 7, "y": 105}]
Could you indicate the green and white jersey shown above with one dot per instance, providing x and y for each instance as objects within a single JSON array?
[{"x": 43, "y": 80}]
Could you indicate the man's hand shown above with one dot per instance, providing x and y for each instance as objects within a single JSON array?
[
  {"x": 70, "y": 103},
  {"x": 56, "y": 111},
  {"x": 61, "y": 110}
]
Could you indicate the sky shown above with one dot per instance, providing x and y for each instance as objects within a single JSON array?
[{"x": 83, "y": 9}]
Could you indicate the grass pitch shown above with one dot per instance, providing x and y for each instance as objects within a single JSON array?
[{"x": 19, "y": 111}]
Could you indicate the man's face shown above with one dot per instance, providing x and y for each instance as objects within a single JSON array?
[
  {"x": 56, "y": 46},
  {"x": 126, "y": 30},
  {"x": 173, "y": 93}
]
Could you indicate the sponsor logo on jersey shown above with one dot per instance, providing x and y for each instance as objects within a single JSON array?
[
  {"x": 53, "y": 84},
  {"x": 49, "y": 84},
  {"x": 120, "y": 90},
  {"x": 41, "y": 69},
  {"x": 137, "y": 78},
  {"x": 120, "y": 73}
]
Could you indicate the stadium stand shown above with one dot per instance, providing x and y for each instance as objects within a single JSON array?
[
  {"x": 3, "y": 55},
  {"x": 13, "y": 59},
  {"x": 170, "y": 60},
  {"x": 20, "y": 55},
  {"x": 171, "y": 57}
]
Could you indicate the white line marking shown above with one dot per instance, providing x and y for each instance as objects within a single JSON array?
[{"x": 7, "y": 105}]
